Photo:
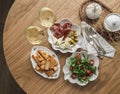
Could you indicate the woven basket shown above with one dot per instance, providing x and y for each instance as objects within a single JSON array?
[{"x": 98, "y": 23}]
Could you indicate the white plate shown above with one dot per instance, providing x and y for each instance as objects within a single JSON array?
[
  {"x": 67, "y": 72},
  {"x": 33, "y": 52},
  {"x": 74, "y": 27}
]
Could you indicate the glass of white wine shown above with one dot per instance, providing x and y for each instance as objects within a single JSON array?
[
  {"x": 35, "y": 35},
  {"x": 47, "y": 17}
]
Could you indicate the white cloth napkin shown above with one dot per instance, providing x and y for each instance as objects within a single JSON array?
[{"x": 110, "y": 51}]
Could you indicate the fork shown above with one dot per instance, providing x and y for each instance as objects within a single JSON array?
[
  {"x": 88, "y": 33},
  {"x": 94, "y": 44},
  {"x": 94, "y": 35},
  {"x": 100, "y": 53}
]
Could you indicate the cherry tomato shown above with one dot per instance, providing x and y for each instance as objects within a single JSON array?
[
  {"x": 88, "y": 72},
  {"x": 91, "y": 74},
  {"x": 71, "y": 68},
  {"x": 91, "y": 61},
  {"x": 73, "y": 76},
  {"x": 84, "y": 77},
  {"x": 81, "y": 67},
  {"x": 78, "y": 56},
  {"x": 78, "y": 62}
]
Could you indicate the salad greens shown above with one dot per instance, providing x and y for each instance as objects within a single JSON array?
[{"x": 82, "y": 68}]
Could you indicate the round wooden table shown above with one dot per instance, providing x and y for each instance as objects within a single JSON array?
[{"x": 17, "y": 50}]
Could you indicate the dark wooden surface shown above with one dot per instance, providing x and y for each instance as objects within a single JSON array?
[{"x": 7, "y": 83}]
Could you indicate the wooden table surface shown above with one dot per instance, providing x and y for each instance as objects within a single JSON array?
[{"x": 17, "y": 50}]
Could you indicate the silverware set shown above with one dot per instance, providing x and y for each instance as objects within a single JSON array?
[{"x": 92, "y": 39}]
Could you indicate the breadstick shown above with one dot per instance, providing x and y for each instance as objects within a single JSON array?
[
  {"x": 39, "y": 56},
  {"x": 41, "y": 53},
  {"x": 36, "y": 59}
]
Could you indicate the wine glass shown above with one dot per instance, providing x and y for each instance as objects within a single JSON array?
[
  {"x": 35, "y": 35},
  {"x": 47, "y": 16}
]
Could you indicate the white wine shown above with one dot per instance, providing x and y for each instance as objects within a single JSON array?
[
  {"x": 34, "y": 35},
  {"x": 47, "y": 17}
]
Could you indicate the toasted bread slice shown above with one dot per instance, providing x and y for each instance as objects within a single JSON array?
[
  {"x": 37, "y": 68},
  {"x": 47, "y": 65},
  {"x": 53, "y": 62},
  {"x": 49, "y": 72},
  {"x": 43, "y": 62},
  {"x": 55, "y": 68},
  {"x": 42, "y": 67}
]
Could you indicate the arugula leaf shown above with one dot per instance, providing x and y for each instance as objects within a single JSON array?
[
  {"x": 73, "y": 60},
  {"x": 93, "y": 69},
  {"x": 80, "y": 66}
]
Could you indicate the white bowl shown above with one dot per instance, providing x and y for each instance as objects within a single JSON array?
[
  {"x": 74, "y": 27},
  {"x": 90, "y": 11},
  {"x": 67, "y": 72},
  {"x": 33, "y": 52},
  {"x": 112, "y": 22}
]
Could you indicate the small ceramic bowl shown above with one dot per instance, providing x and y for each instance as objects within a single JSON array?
[
  {"x": 112, "y": 22},
  {"x": 91, "y": 14},
  {"x": 74, "y": 27},
  {"x": 67, "y": 72}
]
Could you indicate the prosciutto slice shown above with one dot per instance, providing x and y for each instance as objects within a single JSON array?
[{"x": 61, "y": 30}]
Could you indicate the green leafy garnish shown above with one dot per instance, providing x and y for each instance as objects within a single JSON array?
[{"x": 82, "y": 68}]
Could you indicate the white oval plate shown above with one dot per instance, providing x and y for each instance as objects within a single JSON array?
[
  {"x": 74, "y": 27},
  {"x": 33, "y": 52},
  {"x": 67, "y": 72}
]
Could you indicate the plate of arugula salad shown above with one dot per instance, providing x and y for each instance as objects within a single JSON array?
[{"x": 81, "y": 68}]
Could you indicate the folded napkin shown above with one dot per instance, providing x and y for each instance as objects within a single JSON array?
[{"x": 110, "y": 51}]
